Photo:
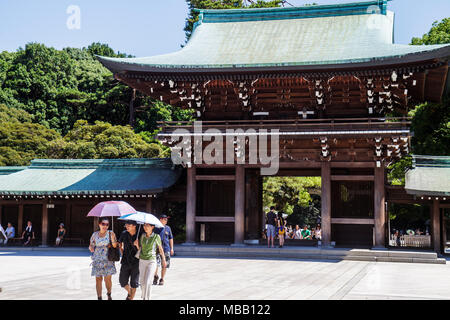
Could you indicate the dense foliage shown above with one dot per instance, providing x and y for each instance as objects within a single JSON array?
[
  {"x": 439, "y": 34},
  {"x": 47, "y": 93}
]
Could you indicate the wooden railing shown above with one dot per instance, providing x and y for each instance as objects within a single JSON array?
[
  {"x": 296, "y": 124},
  {"x": 415, "y": 241}
]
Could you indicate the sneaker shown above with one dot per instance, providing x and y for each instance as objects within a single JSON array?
[{"x": 155, "y": 280}]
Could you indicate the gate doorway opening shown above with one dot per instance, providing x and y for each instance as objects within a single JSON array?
[
  {"x": 409, "y": 226},
  {"x": 297, "y": 200}
]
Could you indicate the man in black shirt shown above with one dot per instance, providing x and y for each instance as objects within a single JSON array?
[
  {"x": 271, "y": 226},
  {"x": 129, "y": 271}
]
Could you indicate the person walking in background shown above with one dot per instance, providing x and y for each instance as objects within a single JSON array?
[
  {"x": 60, "y": 235},
  {"x": 28, "y": 234},
  {"x": 271, "y": 220},
  {"x": 102, "y": 268},
  {"x": 147, "y": 245},
  {"x": 129, "y": 270},
  {"x": 281, "y": 229},
  {"x": 167, "y": 244}
]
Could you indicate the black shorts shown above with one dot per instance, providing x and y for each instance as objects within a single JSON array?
[
  {"x": 129, "y": 273},
  {"x": 167, "y": 256}
]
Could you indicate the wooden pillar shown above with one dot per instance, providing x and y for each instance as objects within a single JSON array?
[
  {"x": 67, "y": 214},
  {"x": 379, "y": 208},
  {"x": 239, "y": 205},
  {"x": 148, "y": 205},
  {"x": 326, "y": 203},
  {"x": 95, "y": 224},
  {"x": 191, "y": 198},
  {"x": 20, "y": 220},
  {"x": 435, "y": 225},
  {"x": 44, "y": 224}
]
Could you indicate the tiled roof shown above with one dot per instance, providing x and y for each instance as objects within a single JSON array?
[
  {"x": 121, "y": 176},
  {"x": 310, "y": 36},
  {"x": 430, "y": 176}
]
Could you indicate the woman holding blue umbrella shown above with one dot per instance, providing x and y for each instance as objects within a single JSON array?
[{"x": 147, "y": 245}]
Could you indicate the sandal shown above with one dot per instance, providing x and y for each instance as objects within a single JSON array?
[
  {"x": 128, "y": 297},
  {"x": 155, "y": 280},
  {"x": 100, "y": 298},
  {"x": 161, "y": 282},
  {"x": 109, "y": 295}
]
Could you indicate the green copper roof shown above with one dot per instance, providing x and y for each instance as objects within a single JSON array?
[
  {"x": 430, "y": 176},
  {"x": 122, "y": 176},
  {"x": 302, "y": 37},
  {"x": 9, "y": 170}
]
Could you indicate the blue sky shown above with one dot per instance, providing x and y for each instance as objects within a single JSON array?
[{"x": 149, "y": 27}]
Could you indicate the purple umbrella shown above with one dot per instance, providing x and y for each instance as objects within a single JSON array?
[{"x": 111, "y": 209}]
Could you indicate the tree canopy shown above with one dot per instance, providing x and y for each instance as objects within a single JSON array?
[{"x": 439, "y": 34}]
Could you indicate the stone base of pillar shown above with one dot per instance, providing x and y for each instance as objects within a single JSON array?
[
  {"x": 238, "y": 245},
  {"x": 189, "y": 243},
  {"x": 379, "y": 248}
]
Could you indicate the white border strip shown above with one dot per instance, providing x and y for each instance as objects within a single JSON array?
[{"x": 284, "y": 133}]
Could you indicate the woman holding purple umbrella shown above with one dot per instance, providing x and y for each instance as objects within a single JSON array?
[{"x": 102, "y": 268}]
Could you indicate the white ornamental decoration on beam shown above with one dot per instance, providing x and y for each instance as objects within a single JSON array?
[
  {"x": 244, "y": 90},
  {"x": 192, "y": 93},
  {"x": 325, "y": 154}
]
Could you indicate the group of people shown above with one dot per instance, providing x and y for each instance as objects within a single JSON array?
[
  {"x": 10, "y": 233},
  {"x": 276, "y": 227},
  {"x": 28, "y": 235},
  {"x": 142, "y": 255}
]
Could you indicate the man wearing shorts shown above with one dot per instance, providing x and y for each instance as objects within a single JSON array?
[
  {"x": 271, "y": 225},
  {"x": 167, "y": 244},
  {"x": 129, "y": 270}
]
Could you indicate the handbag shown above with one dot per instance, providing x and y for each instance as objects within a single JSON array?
[{"x": 113, "y": 253}]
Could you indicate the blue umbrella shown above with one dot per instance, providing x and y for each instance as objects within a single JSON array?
[{"x": 142, "y": 218}]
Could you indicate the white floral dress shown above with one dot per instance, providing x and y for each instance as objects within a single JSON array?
[{"x": 101, "y": 266}]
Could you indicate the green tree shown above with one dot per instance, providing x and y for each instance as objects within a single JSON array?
[
  {"x": 22, "y": 142},
  {"x": 103, "y": 141},
  {"x": 287, "y": 192},
  {"x": 439, "y": 34}
]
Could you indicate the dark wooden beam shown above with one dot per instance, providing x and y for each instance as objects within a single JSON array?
[
  {"x": 352, "y": 221},
  {"x": 215, "y": 177},
  {"x": 379, "y": 208},
  {"x": 239, "y": 208},
  {"x": 326, "y": 203},
  {"x": 214, "y": 219},
  {"x": 191, "y": 196},
  {"x": 44, "y": 224},
  {"x": 352, "y": 178},
  {"x": 436, "y": 227}
]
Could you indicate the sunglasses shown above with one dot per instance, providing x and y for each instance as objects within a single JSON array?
[{"x": 105, "y": 224}]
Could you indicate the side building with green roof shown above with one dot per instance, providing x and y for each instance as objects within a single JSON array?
[{"x": 50, "y": 192}]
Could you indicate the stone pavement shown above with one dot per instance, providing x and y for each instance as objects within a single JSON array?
[{"x": 66, "y": 275}]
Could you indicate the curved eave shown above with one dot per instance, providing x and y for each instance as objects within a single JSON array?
[
  {"x": 118, "y": 65},
  {"x": 427, "y": 193}
]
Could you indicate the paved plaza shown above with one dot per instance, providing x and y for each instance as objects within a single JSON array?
[{"x": 66, "y": 275}]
